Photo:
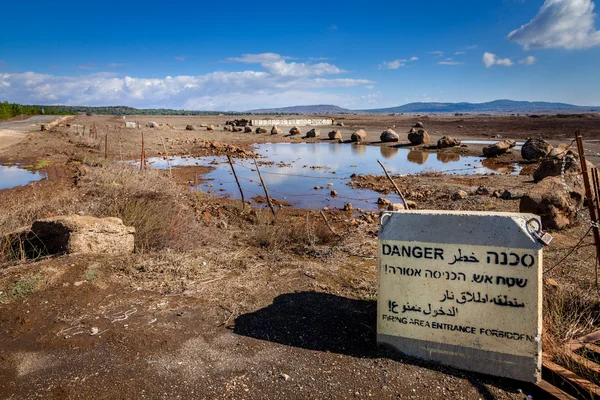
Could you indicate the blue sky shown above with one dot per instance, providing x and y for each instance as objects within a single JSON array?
[{"x": 234, "y": 55}]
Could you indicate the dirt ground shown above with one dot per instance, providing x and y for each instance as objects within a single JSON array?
[{"x": 226, "y": 304}]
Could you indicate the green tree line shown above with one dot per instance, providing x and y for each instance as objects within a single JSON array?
[{"x": 10, "y": 110}]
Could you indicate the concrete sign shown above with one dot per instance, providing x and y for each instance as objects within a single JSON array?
[{"x": 463, "y": 289}]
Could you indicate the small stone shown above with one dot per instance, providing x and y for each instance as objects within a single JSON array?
[
  {"x": 284, "y": 377},
  {"x": 78, "y": 283},
  {"x": 94, "y": 331},
  {"x": 383, "y": 202},
  {"x": 459, "y": 195},
  {"x": 347, "y": 207},
  {"x": 482, "y": 190},
  {"x": 333, "y": 193}
]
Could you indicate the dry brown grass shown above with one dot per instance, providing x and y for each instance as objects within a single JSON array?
[
  {"x": 289, "y": 232},
  {"x": 568, "y": 315}
]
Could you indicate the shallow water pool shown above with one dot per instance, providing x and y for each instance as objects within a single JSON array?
[{"x": 292, "y": 171}]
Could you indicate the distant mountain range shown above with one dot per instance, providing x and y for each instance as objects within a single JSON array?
[
  {"x": 497, "y": 106},
  {"x": 315, "y": 109}
]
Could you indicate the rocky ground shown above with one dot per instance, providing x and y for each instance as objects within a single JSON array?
[{"x": 218, "y": 302}]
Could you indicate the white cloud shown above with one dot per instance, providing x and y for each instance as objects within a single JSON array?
[
  {"x": 565, "y": 24},
  {"x": 472, "y": 47},
  {"x": 179, "y": 58},
  {"x": 278, "y": 65},
  {"x": 115, "y": 65},
  {"x": 437, "y": 53},
  {"x": 277, "y": 83},
  {"x": 530, "y": 60},
  {"x": 450, "y": 61},
  {"x": 490, "y": 59},
  {"x": 459, "y": 53},
  {"x": 401, "y": 62},
  {"x": 333, "y": 27}
]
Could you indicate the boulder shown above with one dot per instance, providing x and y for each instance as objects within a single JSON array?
[
  {"x": 447, "y": 141},
  {"x": 261, "y": 130},
  {"x": 535, "y": 148},
  {"x": 276, "y": 131},
  {"x": 340, "y": 124},
  {"x": 210, "y": 128},
  {"x": 482, "y": 190},
  {"x": 247, "y": 129},
  {"x": 295, "y": 131},
  {"x": 419, "y": 137},
  {"x": 228, "y": 128},
  {"x": 82, "y": 234},
  {"x": 190, "y": 128},
  {"x": 383, "y": 201},
  {"x": 389, "y": 136},
  {"x": 313, "y": 133},
  {"x": 152, "y": 124},
  {"x": 335, "y": 134},
  {"x": 396, "y": 207},
  {"x": 418, "y": 125},
  {"x": 555, "y": 205},
  {"x": 552, "y": 166},
  {"x": 502, "y": 147},
  {"x": 400, "y": 207},
  {"x": 359, "y": 136},
  {"x": 459, "y": 195}
]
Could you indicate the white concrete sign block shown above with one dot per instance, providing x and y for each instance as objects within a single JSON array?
[{"x": 463, "y": 289}]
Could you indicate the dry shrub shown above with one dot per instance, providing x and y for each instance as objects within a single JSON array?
[
  {"x": 293, "y": 232},
  {"x": 148, "y": 200}
]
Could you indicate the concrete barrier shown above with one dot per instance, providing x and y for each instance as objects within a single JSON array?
[{"x": 292, "y": 122}]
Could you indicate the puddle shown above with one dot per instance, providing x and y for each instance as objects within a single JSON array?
[
  {"x": 292, "y": 171},
  {"x": 11, "y": 176},
  {"x": 488, "y": 142}
]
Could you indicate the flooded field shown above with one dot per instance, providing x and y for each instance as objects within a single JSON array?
[
  {"x": 11, "y": 176},
  {"x": 303, "y": 175}
]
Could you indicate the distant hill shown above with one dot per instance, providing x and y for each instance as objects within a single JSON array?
[
  {"x": 316, "y": 109},
  {"x": 497, "y": 106}
]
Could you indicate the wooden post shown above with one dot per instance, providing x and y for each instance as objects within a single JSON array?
[
  {"x": 167, "y": 156},
  {"x": 597, "y": 189},
  {"x": 265, "y": 188},
  {"x": 143, "y": 157},
  {"x": 588, "y": 193},
  {"x": 394, "y": 184},
  {"x": 106, "y": 146},
  {"x": 328, "y": 224},
  {"x": 237, "y": 181}
]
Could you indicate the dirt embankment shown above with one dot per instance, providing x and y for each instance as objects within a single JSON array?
[{"x": 220, "y": 302}]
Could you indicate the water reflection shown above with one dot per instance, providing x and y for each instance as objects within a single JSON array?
[
  {"x": 417, "y": 157},
  {"x": 447, "y": 157},
  {"x": 499, "y": 166},
  {"x": 11, "y": 176},
  {"x": 388, "y": 152},
  {"x": 359, "y": 149}
]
